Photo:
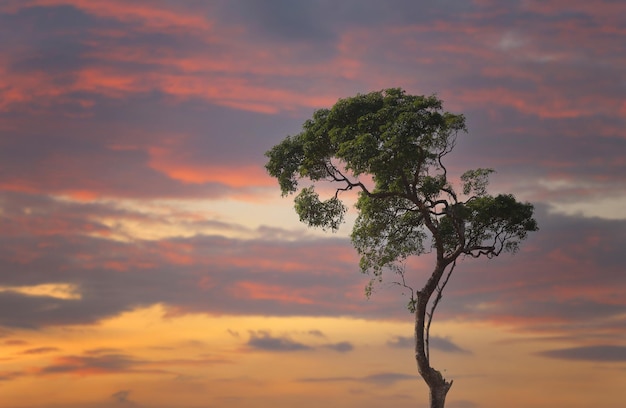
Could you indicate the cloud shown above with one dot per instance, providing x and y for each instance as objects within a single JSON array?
[
  {"x": 401, "y": 342},
  {"x": 446, "y": 345},
  {"x": 154, "y": 114},
  {"x": 121, "y": 53},
  {"x": 231, "y": 275},
  {"x": 341, "y": 347},
  {"x": 40, "y": 350},
  {"x": 387, "y": 378},
  {"x": 436, "y": 343},
  {"x": 10, "y": 375},
  {"x": 91, "y": 365},
  {"x": 264, "y": 341},
  {"x": 598, "y": 353},
  {"x": 121, "y": 396},
  {"x": 98, "y": 362},
  {"x": 217, "y": 270},
  {"x": 15, "y": 342},
  {"x": 316, "y": 333},
  {"x": 383, "y": 378},
  {"x": 234, "y": 333}
]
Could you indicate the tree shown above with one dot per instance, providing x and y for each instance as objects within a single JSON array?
[{"x": 389, "y": 146}]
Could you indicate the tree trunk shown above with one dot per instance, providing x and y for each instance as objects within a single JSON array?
[
  {"x": 438, "y": 392},
  {"x": 436, "y": 383}
]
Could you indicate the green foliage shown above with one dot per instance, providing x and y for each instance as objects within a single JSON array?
[
  {"x": 286, "y": 159},
  {"x": 398, "y": 141},
  {"x": 501, "y": 220},
  {"x": 324, "y": 214},
  {"x": 475, "y": 181},
  {"x": 386, "y": 232},
  {"x": 386, "y": 134}
]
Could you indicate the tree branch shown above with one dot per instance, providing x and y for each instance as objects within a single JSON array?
[{"x": 404, "y": 285}]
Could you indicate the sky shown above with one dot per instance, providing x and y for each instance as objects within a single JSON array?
[{"x": 148, "y": 260}]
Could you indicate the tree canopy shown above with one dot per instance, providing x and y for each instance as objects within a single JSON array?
[
  {"x": 399, "y": 141},
  {"x": 390, "y": 147}
]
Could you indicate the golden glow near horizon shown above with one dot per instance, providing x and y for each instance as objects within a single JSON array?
[{"x": 213, "y": 359}]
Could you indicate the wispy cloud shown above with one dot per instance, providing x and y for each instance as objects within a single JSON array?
[
  {"x": 385, "y": 378},
  {"x": 597, "y": 353},
  {"x": 40, "y": 350}
]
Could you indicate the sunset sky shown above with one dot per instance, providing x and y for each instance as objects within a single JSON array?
[{"x": 148, "y": 260}]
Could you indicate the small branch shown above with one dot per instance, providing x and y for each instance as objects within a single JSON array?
[
  {"x": 403, "y": 284},
  {"x": 477, "y": 251},
  {"x": 451, "y": 193}
]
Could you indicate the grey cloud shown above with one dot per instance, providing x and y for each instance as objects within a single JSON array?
[
  {"x": 284, "y": 19},
  {"x": 388, "y": 378},
  {"x": 436, "y": 343},
  {"x": 266, "y": 342},
  {"x": 342, "y": 347},
  {"x": 383, "y": 378},
  {"x": 598, "y": 353},
  {"x": 31, "y": 312},
  {"x": 321, "y": 21},
  {"x": 445, "y": 344},
  {"x": 401, "y": 342},
  {"x": 263, "y": 340},
  {"x": 316, "y": 333}
]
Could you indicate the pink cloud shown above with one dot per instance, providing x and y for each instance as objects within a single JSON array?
[{"x": 259, "y": 291}]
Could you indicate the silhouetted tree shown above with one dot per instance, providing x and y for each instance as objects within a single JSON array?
[{"x": 390, "y": 146}]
